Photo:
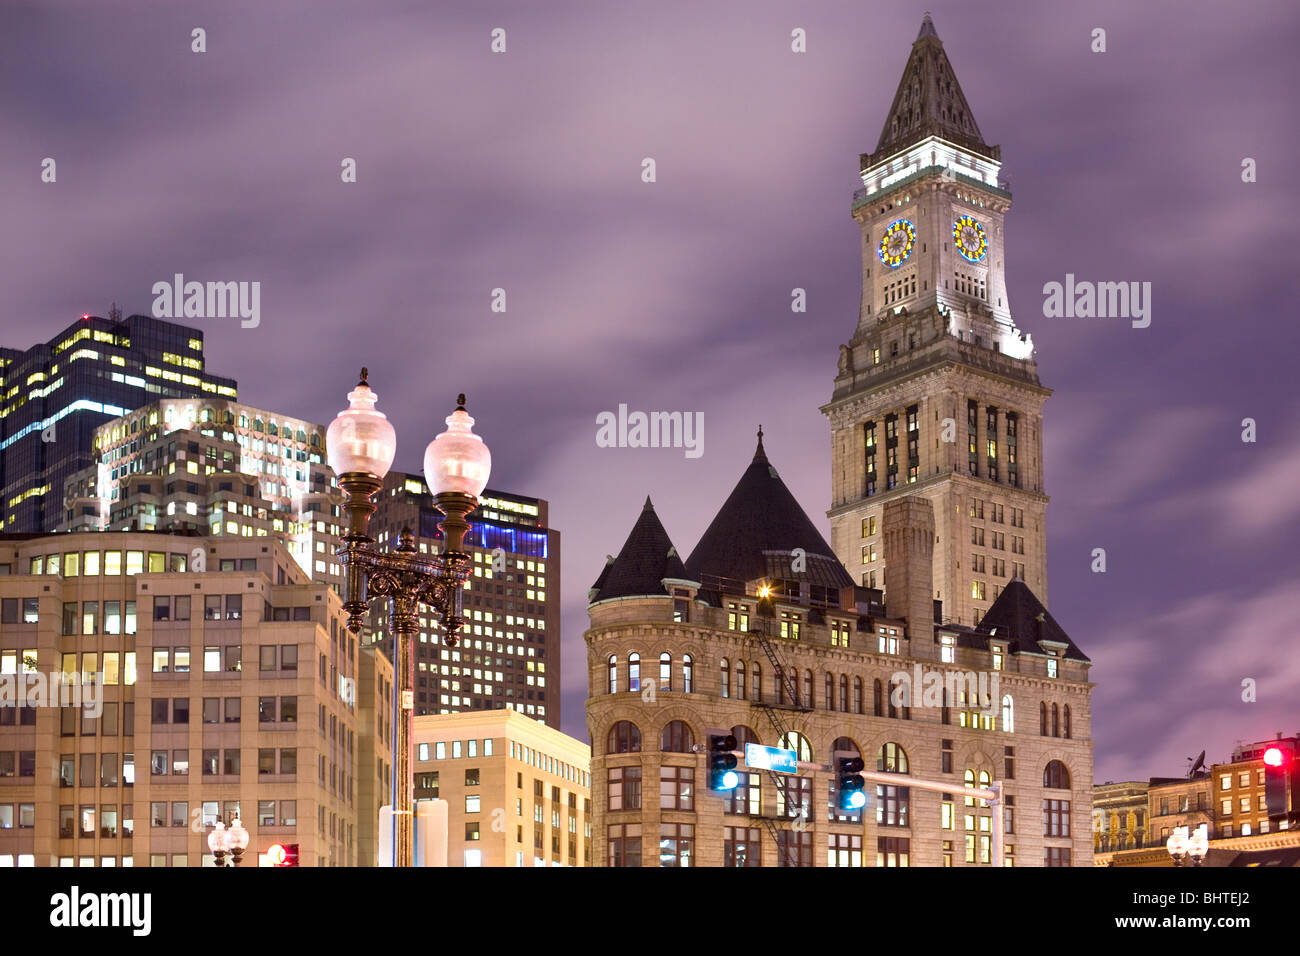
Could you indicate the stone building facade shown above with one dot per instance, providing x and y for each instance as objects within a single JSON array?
[{"x": 763, "y": 634}]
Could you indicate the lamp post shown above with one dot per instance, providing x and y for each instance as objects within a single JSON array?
[
  {"x": 232, "y": 841},
  {"x": 361, "y": 445}
]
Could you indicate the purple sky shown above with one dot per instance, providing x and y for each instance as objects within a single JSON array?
[{"x": 522, "y": 171}]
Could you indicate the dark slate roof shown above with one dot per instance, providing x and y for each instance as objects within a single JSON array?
[
  {"x": 929, "y": 102},
  {"x": 760, "y": 517},
  {"x": 648, "y": 556},
  {"x": 1016, "y": 615}
]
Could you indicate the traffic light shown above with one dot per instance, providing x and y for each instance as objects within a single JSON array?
[
  {"x": 282, "y": 854},
  {"x": 848, "y": 783},
  {"x": 1277, "y": 767},
  {"x": 722, "y": 762}
]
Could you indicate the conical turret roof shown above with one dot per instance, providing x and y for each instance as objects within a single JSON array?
[
  {"x": 647, "y": 558},
  {"x": 761, "y": 517}
]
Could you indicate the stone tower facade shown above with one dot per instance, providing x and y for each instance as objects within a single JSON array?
[{"x": 937, "y": 392}]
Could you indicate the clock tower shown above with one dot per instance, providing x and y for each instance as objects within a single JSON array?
[{"x": 937, "y": 392}]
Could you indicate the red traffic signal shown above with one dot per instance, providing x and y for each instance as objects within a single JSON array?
[
  {"x": 282, "y": 854},
  {"x": 1277, "y": 795}
]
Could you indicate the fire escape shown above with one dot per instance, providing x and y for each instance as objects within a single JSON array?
[{"x": 763, "y": 636}]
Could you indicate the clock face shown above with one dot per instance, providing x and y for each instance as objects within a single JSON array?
[
  {"x": 896, "y": 244},
  {"x": 969, "y": 238}
]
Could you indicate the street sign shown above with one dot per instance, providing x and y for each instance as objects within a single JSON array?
[{"x": 771, "y": 758}]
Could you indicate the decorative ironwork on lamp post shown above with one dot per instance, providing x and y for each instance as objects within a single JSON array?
[{"x": 361, "y": 445}]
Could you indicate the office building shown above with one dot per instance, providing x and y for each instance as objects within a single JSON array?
[
  {"x": 217, "y": 467},
  {"x": 228, "y": 685},
  {"x": 57, "y": 393},
  {"x": 761, "y": 633},
  {"x": 518, "y": 792},
  {"x": 509, "y": 653}
]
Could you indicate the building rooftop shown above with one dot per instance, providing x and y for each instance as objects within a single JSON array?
[
  {"x": 646, "y": 559},
  {"x": 761, "y": 521},
  {"x": 928, "y": 102}
]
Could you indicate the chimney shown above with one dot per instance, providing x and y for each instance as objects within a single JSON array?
[{"x": 908, "y": 528}]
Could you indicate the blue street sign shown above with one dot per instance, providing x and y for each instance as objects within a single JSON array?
[{"x": 771, "y": 758}]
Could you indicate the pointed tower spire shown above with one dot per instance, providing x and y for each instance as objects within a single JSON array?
[
  {"x": 759, "y": 453},
  {"x": 645, "y": 561},
  {"x": 929, "y": 102}
]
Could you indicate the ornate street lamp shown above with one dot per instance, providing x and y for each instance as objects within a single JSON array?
[
  {"x": 360, "y": 445},
  {"x": 233, "y": 841}
]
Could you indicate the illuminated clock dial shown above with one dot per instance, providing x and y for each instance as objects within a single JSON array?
[
  {"x": 968, "y": 235},
  {"x": 896, "y": 244}
]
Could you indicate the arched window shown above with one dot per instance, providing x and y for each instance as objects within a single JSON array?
[
  {"x": 780, "y": 684},
  {"x": 624, "y": 738},
  {"x": 726, "y": 677},
  {"x": 740, "y": 680},
  {"x": 665, "y": 671},
  {"x": 676, "y": 738},
  {"x": 857, "y": 695},
  {"x": 892, "y": 802},
  {"x": 844, "y": 693},
  {"x": 1042, "y": 718},
  {"x": 891, "y": 758},
  {"x": 1008, "y": 714},
  {"x": 634, "y": 672},
  {"x": 878, "y": 707},
  {"x": 1067, "y": 720},
  {"x": 688, "y": 674},
  {"x": 613, "y": 673},
  {"x": 793, "y": 740},
  {"x": 830, "y": 692},
  {"x": 807, "y": 689},
  {"x": 757, "y": 681},
  {"x": 1056, "y": 776},
  {"x": 1056, "y": 721}
]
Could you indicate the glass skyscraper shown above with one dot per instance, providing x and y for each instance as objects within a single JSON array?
[{"x": 57, "y": 393}]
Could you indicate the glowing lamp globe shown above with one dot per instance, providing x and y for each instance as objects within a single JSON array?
[
  {"x": 217, "y": 839},
  {"x": 361, "y": 438},
  {"x": 238, "y": 835},
  {"x": 458, "y": 460}
]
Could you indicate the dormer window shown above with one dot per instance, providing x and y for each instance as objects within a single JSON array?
[
  {"x": 681, "y": 605},
  {"x": 1052, "y": 664},
  {"x": 948, "y": 648},
  {"x": 737, "y": 617},
  {"x": 998, "y": 651},
  {"x": 790, "y": 625}
]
